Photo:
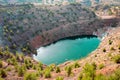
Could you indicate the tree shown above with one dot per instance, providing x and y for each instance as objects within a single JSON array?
[
  {"x": 116, "y": 58},
  {"x": 69, "y": 70},
  {"x": 57, "y": 69},
  {"x": 1, "y": 64},
  {"x": 89, "y": 72},
  {"x": 3, "y": 73},
  {"x": 47, "y": 74},
  {"x": 76, "y": 65},
  {"x": 30, "y": 76},
  {"x": 101, "y": 66},
  {"x": 21, "y": 71}
]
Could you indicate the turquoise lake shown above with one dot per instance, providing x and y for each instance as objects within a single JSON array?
[{"x": 65, "y": 50}]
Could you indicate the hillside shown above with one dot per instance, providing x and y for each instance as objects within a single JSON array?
[
  {"x": 103, "y": 63},
  {"x": 21, "y": 24},
  {"x": 27, "y": 27}
]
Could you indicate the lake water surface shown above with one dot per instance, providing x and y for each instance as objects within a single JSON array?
[{"x": 65, "y": 50}]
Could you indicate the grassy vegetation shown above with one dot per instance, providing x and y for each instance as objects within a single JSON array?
[
  {"x": 112, "y": 49},
  {"x": 119, "y": 47},
  {"x": 110, "y": 42},
  {"x": 21, "y": 70},
  {"x": 1, "y": 64},
  {"x": 57, "y": 69},
  {"x": 101, "y": 66},
  {"x": 22, "y": 65},
  {"x": 47, "y": 73},
  {"x": 89, "y": 74},
  {"x": 76, "y": 65},
  {"x": 115, "y": 75},
  {"x": 3, "y": 73},
  {"x": 68, "y": 70},
  {"x": 59, "y": 78},
  {"x": 116, "y": 58},
  {"x": 30, "y": 76},
  {"x": 17, "y": 62},
  {"x": 104, "y": 50}
]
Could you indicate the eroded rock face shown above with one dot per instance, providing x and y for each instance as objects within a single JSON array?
[{"x": 97, "y": 27}]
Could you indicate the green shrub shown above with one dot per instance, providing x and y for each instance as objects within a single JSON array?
[
  {"x": 16, "y": 67},
  {"x": 80, "y": 76},
  {"x": 34, "y": 67},
  {"x": 116, "y": 58},
  {"x": 57, "y": 69},
  {"x": 30, "y": 76},
  {"x": 110, "y": 12},
  {"x": 94, "y": 65},
  {"x": 52, "y": 67},
  {"x": 119, "y": 47},
  {"x": 109, "y": 55},
  {"x": 101, "y": 66},
  {"x": 95, "y": 55},
  {"x": 59, "y": 78},
  {"x": 9, "y": 61},
  {"x": 68, "y": 70},
  {"x": 3, "y": 73},
  {"x": 47, "y": 74},
  {"x": 76, "y": 65},
  {"x": 112, "y": 48},
  {"x": 8, "y": 69},
  {"x": 1, "y": 64},
  {"x": 21, "y": 55},
  {"x": 1, "y": 78},
  {"x": 40, "y": 65},
  {"x": 115, "y": 75},
  {"x": 104, "y": 50},
  {"x": 21, "y": 71},
  {"x": 40, "y": 73},
  {"x": 110, "y": 42},
  {"x": 12, "y": 61},
  {"x": 89, "y": 72},
  {"x": 17, "y": 56},
  {"x": 100, "y": 77},
  {"x": 28, "y": 63}
]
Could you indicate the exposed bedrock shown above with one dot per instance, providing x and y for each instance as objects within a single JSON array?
[{"x": 97, "y": 27}]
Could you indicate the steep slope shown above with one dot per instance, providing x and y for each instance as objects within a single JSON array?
[
  {"x": 26, "y": 26},
  {"x": 21, "y": 24},
  {"x": 103, "y": 63},
  {"x": 106, "y": 56}
]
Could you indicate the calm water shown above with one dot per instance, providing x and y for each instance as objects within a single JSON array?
[{"x": 65, "y": 50}]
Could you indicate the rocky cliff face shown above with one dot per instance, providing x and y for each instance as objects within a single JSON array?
[{"x": 91, "y": 28}]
